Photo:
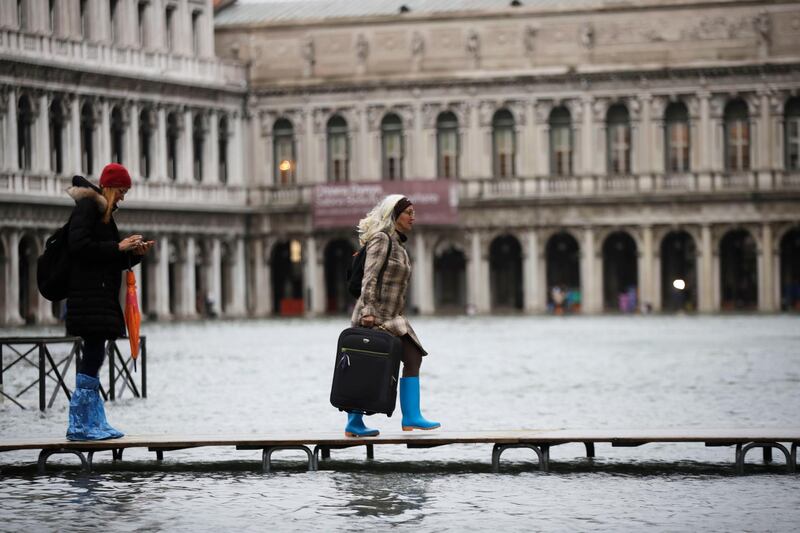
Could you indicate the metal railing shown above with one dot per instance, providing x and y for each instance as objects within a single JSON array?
[{"x": 36, "y": 352}]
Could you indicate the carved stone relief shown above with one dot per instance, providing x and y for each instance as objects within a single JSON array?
[
  {"x": 417, "y": 51},
  {"x": 473, "y": 47},
  {"x": 308, "y": 55}
]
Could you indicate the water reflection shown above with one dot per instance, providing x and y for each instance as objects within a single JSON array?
[{"x": 384, "y": 495}]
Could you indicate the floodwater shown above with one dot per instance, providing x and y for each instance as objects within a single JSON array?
[{"x": 483, "y": 373}]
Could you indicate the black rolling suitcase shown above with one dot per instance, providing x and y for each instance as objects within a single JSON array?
[{"x": 366, "y": 371}]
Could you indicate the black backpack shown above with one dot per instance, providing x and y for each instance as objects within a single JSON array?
[
  {"x": 355, "y": 274},
  {"x": 52, "y": 267}
]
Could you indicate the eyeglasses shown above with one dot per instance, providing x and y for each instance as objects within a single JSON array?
[{"x": 410, "y": 212}]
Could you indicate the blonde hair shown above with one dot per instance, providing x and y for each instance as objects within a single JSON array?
[
  {"x": 378, "y": 219},
  {"x": 108, "y": 193}
]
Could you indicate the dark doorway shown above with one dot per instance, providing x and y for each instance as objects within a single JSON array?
[
  {"x": 620, "y": 273},
  {"x": 790, "y": 271},
  {"x": 505, "y": 267},
  {"x": 338, "y": 255},
  {"x": 738, "y": 271},
  {"x": 287, "y": 278},
  {"x": 450, "y": 280},
  {"x": 562, "y": 257},
  {"x": 678, "y": 272}
]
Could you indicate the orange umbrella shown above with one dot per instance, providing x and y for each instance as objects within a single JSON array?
[{"x": 133, "y": 318}]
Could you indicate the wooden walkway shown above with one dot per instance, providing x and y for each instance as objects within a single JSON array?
[{"x": 540, "y": 441}]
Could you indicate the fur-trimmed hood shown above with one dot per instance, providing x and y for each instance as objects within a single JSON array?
[{"x": 83, "y": 188}]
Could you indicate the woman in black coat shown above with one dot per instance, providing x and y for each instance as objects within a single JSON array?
[{"x": 97, "y": 259}]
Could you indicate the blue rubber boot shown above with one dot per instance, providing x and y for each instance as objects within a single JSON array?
[
  {"x": 87, "y": 417},
  {"x": 409, "y": 404},
  {"x": 355, "y": 427}
]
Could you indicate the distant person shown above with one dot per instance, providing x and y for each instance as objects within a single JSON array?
[
  {"x": 392, "y": 218},
  {"x": 97, "y": 259}
]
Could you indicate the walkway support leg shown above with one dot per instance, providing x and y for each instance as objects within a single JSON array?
[
  {"x": 44, "y": 455},
  {"x": 741, "y": 453},
  {"x": 542, "y": 452},
  {"x": 266, "y": 457},
  {"x": 589, "y": 449}
]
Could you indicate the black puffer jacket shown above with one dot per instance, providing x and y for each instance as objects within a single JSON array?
[{"x": 96, "y": 264}]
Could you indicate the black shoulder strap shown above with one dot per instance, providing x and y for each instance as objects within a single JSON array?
[{"x": 383, "y": 268}]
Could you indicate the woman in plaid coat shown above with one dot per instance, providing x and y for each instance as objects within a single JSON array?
[{"x": 384, "y": 306}]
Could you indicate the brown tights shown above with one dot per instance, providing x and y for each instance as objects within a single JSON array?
[{"x": 412, "y": 357}]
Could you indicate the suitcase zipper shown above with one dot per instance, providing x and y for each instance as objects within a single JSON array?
[{"x": 367, "y": 352}]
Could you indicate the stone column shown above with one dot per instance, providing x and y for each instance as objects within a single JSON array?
[
  {"x": 188, "y": 290},
  {"x": 705, "y": 272},
  {"x": 239, "y": 279},
  {"x": 160, "y": 163},
  {"x": 12, "y": 159},
  {"x": 716, "y": 135},
  {"x": 766, "y": 272},
  {"x": 262, "y": 288},
  {"x": 132, "y": 150},
  {"x": 102, "y": 154},
  {"x": 646, "y": 259},
  {"x": 315, "y": 279},
  {"x": 414, "y": 157},
  {"x": 41, "y": 146},
  {"x": 214, "y": 273},
  {"x": 12, "y": 317},
  {"x": 422, "y": 277},
  {"x": 655, "y": 137},
  {"x": 533, "y": 278},
  {"x": 72, "y": 151},
  {"x": 591, "y": 275},
  {"x": 539, "y": 114},
  {"x": 477, "y": 293},
  {"x": 600, "y": 149},
  {"x": 473, "y": 137},
  {"x": 161, "y": 301},
  {"x": 586, "y": 159}
]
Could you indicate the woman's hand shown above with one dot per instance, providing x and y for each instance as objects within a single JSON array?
[
  {"x": 135, "y": 244},
  {"x": 130, "y": 243},
  {"x": 143, "y": 248},
  {"x": 368, "y": 321}
]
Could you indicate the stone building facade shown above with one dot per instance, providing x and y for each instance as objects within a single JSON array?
[{"x": 603, "y": 154}]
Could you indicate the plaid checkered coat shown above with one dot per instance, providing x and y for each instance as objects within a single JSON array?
[{"x": 388, "y": 307}]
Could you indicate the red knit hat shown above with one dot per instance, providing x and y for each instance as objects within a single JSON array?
[{"x": 115, "y": 175}]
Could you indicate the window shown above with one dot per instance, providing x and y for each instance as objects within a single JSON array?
[
  {"x": 112, "y": 22},
  {"x": 198, "y": 142},
  {"x": 57, "y": 136},
  {"x": 196, "y": 32},
  {"x": 676, "y": 133},
  {"x": 172, "y": 146},
  {"x": 84, "y": 18},
  {"x": 51, "y": 15},
  {"x": 504, "y": 144},
  {"x": 141, "y": 23},
  {"x": 87, "y": 139},
  {"x": 22, "y": 14},
  {"x": 792, "y": 129},
  {"x": 117, "y": 136},
  {"x": 618, "y": 129},
  {"x": 24, "y": 132},
  {"x": 223, "y": 150},
  {"x": 170, "y": 28},
  {"x": 338, "y": 150},
  {"x": 392, "y": 143},
  {"x": 447, "y": 145},
  {"x": 146, "y": 126},
  {"x": 283, "y": 149},
  {"x": 560, "y": 123},
  {"x": 737, "y": 136}
]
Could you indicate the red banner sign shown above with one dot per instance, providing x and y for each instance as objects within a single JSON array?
[{"x": 343, "y": 205}]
